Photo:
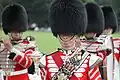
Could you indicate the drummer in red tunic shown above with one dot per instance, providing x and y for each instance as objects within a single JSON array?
[
  {"x": 68, "y": 19},
  {"x": 14, "y": 59}
]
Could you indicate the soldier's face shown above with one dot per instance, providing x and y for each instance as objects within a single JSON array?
[
  {"x": 107, "y": 31},
  {"x": 90, "y": 35},
  {"x": 67, "y": 41},
  {"x": 15, "y": 35}
]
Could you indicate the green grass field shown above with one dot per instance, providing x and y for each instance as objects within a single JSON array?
[{"x": 46, "y": 42}]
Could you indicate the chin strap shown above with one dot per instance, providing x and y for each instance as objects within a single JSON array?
[{"x": 67, "y": 45}]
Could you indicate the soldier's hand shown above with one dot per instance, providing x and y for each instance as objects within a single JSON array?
[{"x": 7, "y": 45}]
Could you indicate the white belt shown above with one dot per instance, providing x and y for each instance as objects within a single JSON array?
[{"x": 15, "y": 72}]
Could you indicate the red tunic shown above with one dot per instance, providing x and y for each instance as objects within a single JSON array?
[
  {"x": 55, "y": 60},
  {"x": 116, "y": 42},
  {"x": 17, "y": 62},
  {"x": 95, "y": 47}
]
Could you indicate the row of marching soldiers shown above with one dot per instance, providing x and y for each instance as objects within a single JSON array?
[{"x": 94, "y": 57}]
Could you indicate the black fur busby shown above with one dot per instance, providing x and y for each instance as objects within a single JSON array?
[
  {"x": 14, "y": 18},
  {"x": 67, "y": 16},
  {"x": 110, "y": 18},
  {"x": 95, "y": 18}
]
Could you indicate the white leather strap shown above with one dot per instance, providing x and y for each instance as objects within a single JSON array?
[{"x": 16, "y": 72}]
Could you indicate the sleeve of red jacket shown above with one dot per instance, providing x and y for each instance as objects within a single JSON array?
[
  {"x": 102, "y": 54},
  {"x": 117, "y": 54},
  {"x": 43, "y": 74},
  {"x": 21, "y": 57}
]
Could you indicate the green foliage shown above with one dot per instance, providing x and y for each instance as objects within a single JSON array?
[
  {"x": 37, "y": 9},
  {"x": 84, "y": 1},
  {"x": 104, "y": 2},
  {"x": 39, "y": 12},
  {"x": 91, "y": 0}
]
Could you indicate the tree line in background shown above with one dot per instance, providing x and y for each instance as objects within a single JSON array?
[{"x": 38, "y": 9}]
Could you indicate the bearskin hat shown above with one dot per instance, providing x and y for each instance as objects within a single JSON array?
[
  {"x": 95, "y": 18},
  {"x": 67, "y": 16},
  {"x": 110, "y": 18},
  {"x": 14, "y": 18}
]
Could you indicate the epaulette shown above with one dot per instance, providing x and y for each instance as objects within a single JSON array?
[
  {"x": 92, "y": 42},
  {"x": 94, "y": 46},
  {"x": 102, "y": 38},
  {"x": 31, "y": 41},
  {"x": 29, "y": 38},
  {"x": 116, "y": 42}
]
